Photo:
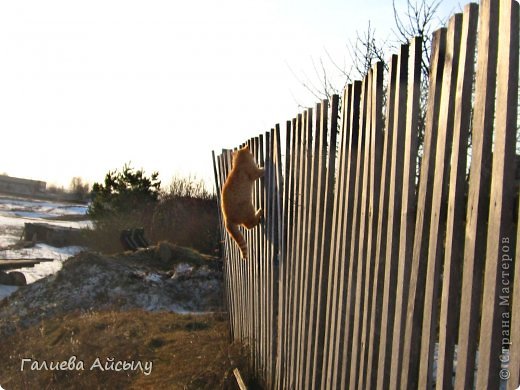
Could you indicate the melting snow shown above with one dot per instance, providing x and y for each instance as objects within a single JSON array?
[{"x": 14, "y": 213}]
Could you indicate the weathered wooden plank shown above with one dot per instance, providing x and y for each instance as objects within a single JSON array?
[
  {"x": 495, "y": 315},
  {"x": 346, "y": 348},
  {"x": 229, "y": 265},
  {"x": 240, "y": 382},
  {"x": 275, "y": 275},
  {"x": 408, "y": 206},
  {"x": 331, "y": 310},
  {"x": 271, "y": 221},
  {"x": 326, "y": 229},
  {"x": 300, "y": 246},
  {"x": 248, "y": 268},
  {"x": 233, "y": 258},
  {"x": 223, "y": 249},
  {"x": 438, "y": 208},
  {"x": 294, "y": 251},
  {"x": 289, "y": 260},
  {"x": 256, "y": 261},
  {"x": 279, "y": 280},
  {"x": 360, "y": 254},
  {"x": 339, "y": 316},
  {"x": 321, "y": 184},
  {"x": 382, "y": 226},
  {"x": 243, "y": 278},
  {"x": 314, "y": 217},
  {"x": 303, "y": 320},
  {"x": 422, "y": 223},
  {"x": 264, "y": 259},
  {"x": 456, "y": 204},
  {"x": 267, "y": 241},
  {"x": 319, "y": 168},
  {"x": 248, "y": 309},
  {"x": 337, "y": 220},
  {"x": 263, "y": 256},
  {"x": 475, "y": 242},
  {"x": 259, "y": 259},
  {"x": 386, "y": 354},
  {"x": 376, "y": 151},
  {"x": 300, "y": 243},
  {"x": 284, "y": 277},
  {"x": 227, "y": 251},
  {"x": 347, "y": 359}
]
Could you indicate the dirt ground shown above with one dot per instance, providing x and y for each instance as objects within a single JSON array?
[
  {"x": 168, "y": 351},
  {"x": 108, "y": 322}
]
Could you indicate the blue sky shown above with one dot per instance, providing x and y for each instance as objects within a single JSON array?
[{"x": 88, "y": 86}]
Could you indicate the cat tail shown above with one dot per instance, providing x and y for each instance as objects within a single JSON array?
[{"x": 238, "y": 237}]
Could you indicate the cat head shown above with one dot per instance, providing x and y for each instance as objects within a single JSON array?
[{"x": 243, "y": 155}]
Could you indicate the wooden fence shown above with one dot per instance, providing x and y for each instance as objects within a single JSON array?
[{"x": 364, "y": 273}]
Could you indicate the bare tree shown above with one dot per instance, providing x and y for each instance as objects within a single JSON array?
[
  {"x": 417, "y": 18},
  {"x": 79, "y": 188}
]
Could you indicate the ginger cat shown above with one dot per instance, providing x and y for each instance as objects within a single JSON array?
[{"x": 237, "y": 197}]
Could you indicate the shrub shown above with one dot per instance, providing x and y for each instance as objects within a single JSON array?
[
  {"x": 125, "y": 200},
  {"x": 186, "y": 214},
  {"x": 123, "y": 192}
]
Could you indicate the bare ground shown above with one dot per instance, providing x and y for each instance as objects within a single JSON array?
[{"x": 119, "y": 308}]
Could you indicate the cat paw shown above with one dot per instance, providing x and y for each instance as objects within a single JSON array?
[{"x": 260, "y": 216}]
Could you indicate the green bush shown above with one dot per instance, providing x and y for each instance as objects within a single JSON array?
[
  {"x": 125, "y": 200},
  {"x": 123, "y": 192}
]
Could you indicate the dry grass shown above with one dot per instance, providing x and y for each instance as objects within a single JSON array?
[{"x": 187, "y": 352}]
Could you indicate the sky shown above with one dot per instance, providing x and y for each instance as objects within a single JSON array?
[{"x": 86, "y": 87}]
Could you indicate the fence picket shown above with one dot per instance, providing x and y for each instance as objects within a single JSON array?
[
  {"x": 408, "y": 205},
  {"x": 287, "y": 224},
  {"x": 294, "y": 252},
  {"x": 314, "y": 213},
  {"x": 333, "y": 375},
  {"x": 337, "y": 219},
  {"x": 382, "y": 226},
  {"x": 479, "y": 177},
  {"x": 494, "y": 313},
  {"x": 455, "y": 220},
  {"x": 422, "y": 225},
  {"x": 320, "y": 172},
  {"x": 394, "y": 221},
  {"x": 304, "y": 257},
  {"x": 376, "y": 148},
  {"x": 358, "y": 254}
]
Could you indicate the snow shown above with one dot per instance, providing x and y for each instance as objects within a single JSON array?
[
  {"x": 127, "y": 281},
  {"x": 43, "y": 269},
  {"x": 40, "y": 209},
  {"x": 14, "y": 213}
]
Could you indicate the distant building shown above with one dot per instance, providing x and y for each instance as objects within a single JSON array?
[{"x": 17, "y": 186}]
